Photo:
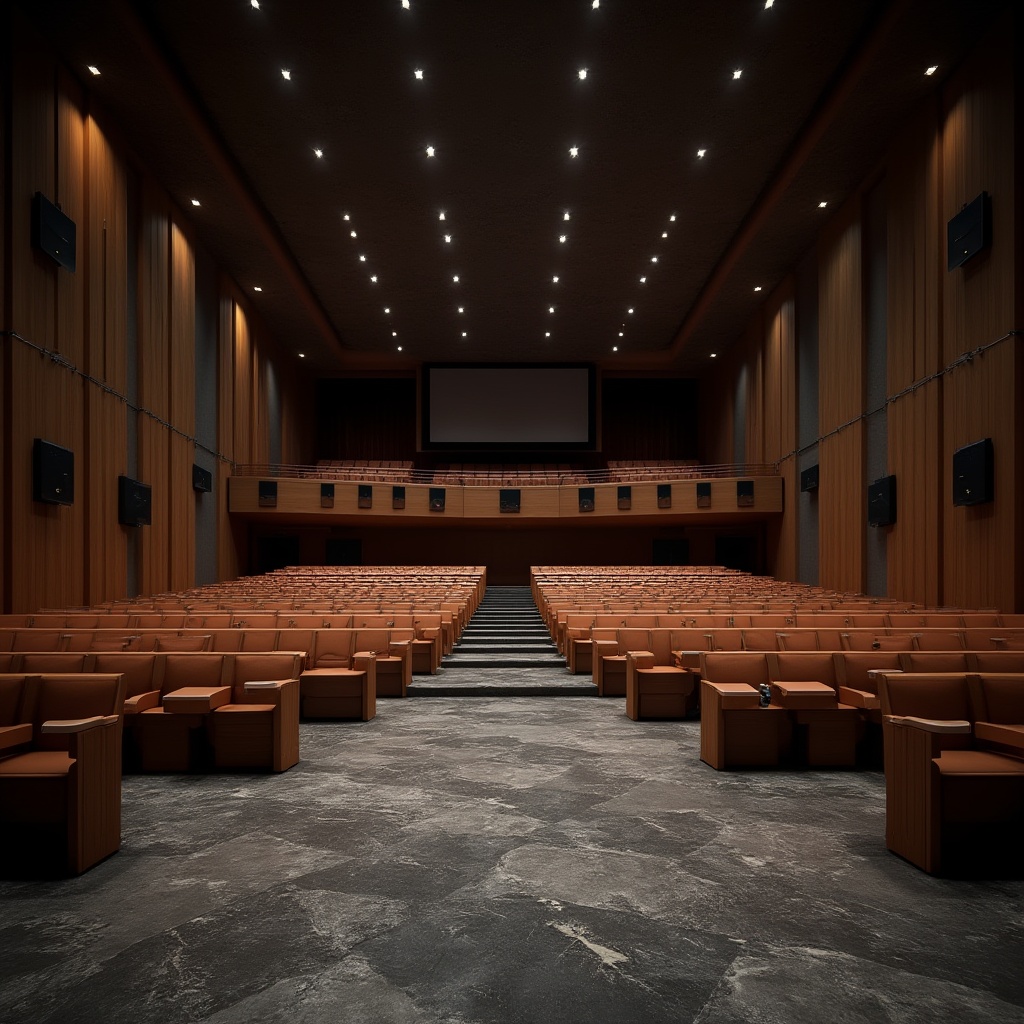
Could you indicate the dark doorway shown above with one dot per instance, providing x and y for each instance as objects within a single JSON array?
[
  {"x": 737, "y": 553},
  {"x": 276, "y": 552},
  {"x": 671, "y": 551},
  {"x": 341, "y": 551}
]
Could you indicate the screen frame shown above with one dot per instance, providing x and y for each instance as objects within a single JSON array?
[{"x": 427, "y": 444}]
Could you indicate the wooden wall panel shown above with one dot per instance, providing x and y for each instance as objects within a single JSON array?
[{"x": 842, "y": 502}]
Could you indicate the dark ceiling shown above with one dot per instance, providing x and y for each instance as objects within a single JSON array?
[{"x": 198, "y": 89}]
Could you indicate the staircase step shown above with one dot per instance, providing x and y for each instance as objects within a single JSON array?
[{"x": 482, "y": 686}]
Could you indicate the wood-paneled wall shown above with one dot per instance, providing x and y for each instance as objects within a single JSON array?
[
  {"x": 68, "y": 380},
  {"x": 960, "y": 143}
]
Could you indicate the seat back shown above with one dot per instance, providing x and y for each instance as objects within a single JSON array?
[
  {"x": 142, "y": 672},
  {"x": 332, "y": 648},
  {"x": 936, "y": 695},
  {"x": 760, "y": 640},
  {"x": 734, "y": 667},
  {"x": 802, "y": 666},
  {"x": 248, "y": 668},
  {"x": 797, "y": 640},
  {"x": 997, "y": 697},
  {"x": 996, "y": 661},
  {"x": 193, "y": 669},
  {"x": 376, "y": 640},
  {"x": 633, "y": 639},
  {"x": 58, "y": 661},
  {"x": 852, "y": 668},
  {"x": 38, "y": 640},
  {"x": 994, "y": 639},
  {"x": 933, "y": 661},
  {"x": 58, "y": 696},
  {"x": 166, "y": 642},
  {"x": 859, "y": 640},
  {"x": 13, "y": 698},
  {"x": 938, "y": 640},
  {"x": 689, "y": 638}
]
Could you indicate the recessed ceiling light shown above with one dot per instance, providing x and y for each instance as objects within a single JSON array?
[
  {"x": 440, "y": 216},
  {"x": 823, "y": 204},
  {"x": 387, "y": 309},
  {"x": 319, "y": 153},
  {"x": 551, "y": 309},
  {"x": 630, "y": 311},
  {"x": 405, "y": 5},
  {"x": 373, "y": 279},
  {"x": 554, "y": 280},
  {"x": 615, "y": 348},
  {"x": 654, "y": 259},
  {"x": 455, "y": 278},
  {"x": 448, "y": 238},
  {"x": 565, "y": 216},
  {"x": 464, "y": 334},
  {"x": 643, "y": 280},
  {"x": 302, "y": 355},
  {"x": 419, "y": 73},
  {"x": 738, "y": 73},
  {"x": 582, "y": 73},
  {"x": 195, "y": 202},
  {"x": 672, "y": 218},
  {"x": 394, "y": 334},
  {"x": 254, "y": 4},
  {"x": 362, "y": 258},
  {"x": 563, "y": 238},
  {"x": 664, "y": 234},
  {"x": 399, "y": 348},
  {"x": 286, "y": 74},
  {"x": 547, "y": 334},
  {"x": 768, "y": 4},
  {"x": 574, "y": 151},
  {"x": 93, "y": 70},
  {"x": 430, "y": 150},
  {"x": 462, "y": 309},
  {"x": 930, "y": 71},
  {"x": 714, "y": 355},
  {"x": 757, "y": 287},
  {"x": 621, "y": 334},
  {"x": 345, "y": 216},
  {"x": 595, "y": 4},
  {"x": 256, "y": 288},
  {"x": 700, "y": 153}
]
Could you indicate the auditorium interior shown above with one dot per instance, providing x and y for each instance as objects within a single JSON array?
[{"x": 682, "y": 334}]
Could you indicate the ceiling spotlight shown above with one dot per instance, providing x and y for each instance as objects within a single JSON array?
[
  {"x": 256, "y": 288},
  {"x": 440, "y": 216},
  {"x": 643, "y": 280},
  {"x": 254, "y": 4},
  {"x": 565, "y": 216},
  {"x": 757, "y": 287},
  {"x": 582, "y": 73},
  {"x": 318, "y": 153},
  {"x": 462, "y": 309},
  {"x": 654, "y": 259},
  {"x": 362, "y": 258},
  {"x": 930, "y": 71},
  {"x": 430, "y": 150},
  {"x": 621, "y": 334},
  {"x": 615, "y": 348},
  {"x": 399, "y": 348},
  {"x": 464, "y": 334},
  {"x": 664, "y": 234},
  {"x": 286, "y": 74},
  {"x": 738, "y": 73},
  {"x": 595, "y": 4},
  {"x": 714, "y": 355},
  {"x": 574, "y": 151},
  {"x": 387, "y": 309},
  {"x": 394, "y": 334},
  {"x": 93, "y": 70},
  {"x": 352, "y": 234},
  {"x": 345, "y": 216},
  {"x": 195, "y": 202},
  {"x": 700, "y": 153},
  {"x": 563, "y": 238},
  {"x": 768, "y": 4},
  {"x": 405, "y": 5},
  {"x": 302, "y": 355},
  {"x": 630, "y": 311},
  {"x": 455, "y": 278},
  {"x": 547, "y": 334},
  {"x": 554, "y": 280},
  {"x": 419, "y": 73},
  {"x": 448, "y": 238},
  {"x": 823, "y": 204},
  {"x": 672, "y": 218},
  {"x": 551, "y": 309},
  {"x": 373, "y": 279}
]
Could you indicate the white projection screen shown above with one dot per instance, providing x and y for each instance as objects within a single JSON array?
[{"x": 508, "y": 406}]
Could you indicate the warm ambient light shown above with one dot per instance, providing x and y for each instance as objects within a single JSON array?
[
  {"x": 464, "y": 334},
  {"x": 654, "y": 259},
  {"x": 286, "y": 74},
  {"x": 93, "y": 70},
  {"x": 574, "y": 151},
  {"x": 195, "y": 202},
  {"x": 394, "y": 334},
  {"x": 930, "y": 71},
  {"x": 630, "y": 311},
  {"x": 405, "y": 5},
  {"x": 700, "y": 153},
  {"x": 738, "y": 73},
  {"x": 352, "y": 234},
  {"x": 664, "y": 234},
  {"x": 547, "y": 334},
  {"x": 596, "y": 4},
  {"x": 622, "y": 334}
]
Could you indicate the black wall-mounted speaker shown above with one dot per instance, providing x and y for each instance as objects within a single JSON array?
[
  {"x": 744, "y": 493},
  {"x": 202, "y": 479},
  {"x": 267, "y": 494},
  {"x": 973, "y": 473},
  {"x": 882, "y": 502},
  {"x": 398, "y": 497},
  {"x": 586, "y": 499},
  {"x": 509, "y": 499},
  {"x": 664, "y": 495},
  {"x": 53, "y": 473},
  {"x": 968, "y": 232},
  {"x": 704, "y": 495},
  {"x": 809, "y": 478},
  {"x": 625, "y": 498},
  {"x": 436, "y": 499},
  {"x": 327, "y": 495},
  {"x": 53, "y": 233},
  {"x": 365, "y": 497},
  {"x": 134, "y": 502}
]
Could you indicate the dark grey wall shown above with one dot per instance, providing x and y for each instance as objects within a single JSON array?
[
  {"x": 206, "y": 414},
  {"x": 807, "y": 414},
  {"x": 132, "y": 370}
]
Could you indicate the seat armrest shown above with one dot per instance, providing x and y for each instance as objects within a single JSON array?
[
  {"x": 69, "y": 725},
  {"x": 950, "y": 726},
  {"x": 687, "y": 659},
  {"x": 858, "y": 698},
  {"x": 142, "y": 702},
  {"x": 640, "y": 659},
  {"x": 259, "y": 685},
  {"x": 363, "y": 660},
  {"x": 15, "y": 735}
]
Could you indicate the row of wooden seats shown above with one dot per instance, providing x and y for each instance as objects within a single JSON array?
[
  {"x": 60, "y": 771},
  {"x": 954, "y": 770},
  {"x": 420, "y": 655}
]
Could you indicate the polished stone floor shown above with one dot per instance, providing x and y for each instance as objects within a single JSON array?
[{"x": 525, "y": 859}]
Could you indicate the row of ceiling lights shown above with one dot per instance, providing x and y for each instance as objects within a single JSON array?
[{"x": 574, "y": 151}]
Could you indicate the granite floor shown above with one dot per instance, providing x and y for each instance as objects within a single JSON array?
[{"x": 523, "y": 859}]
